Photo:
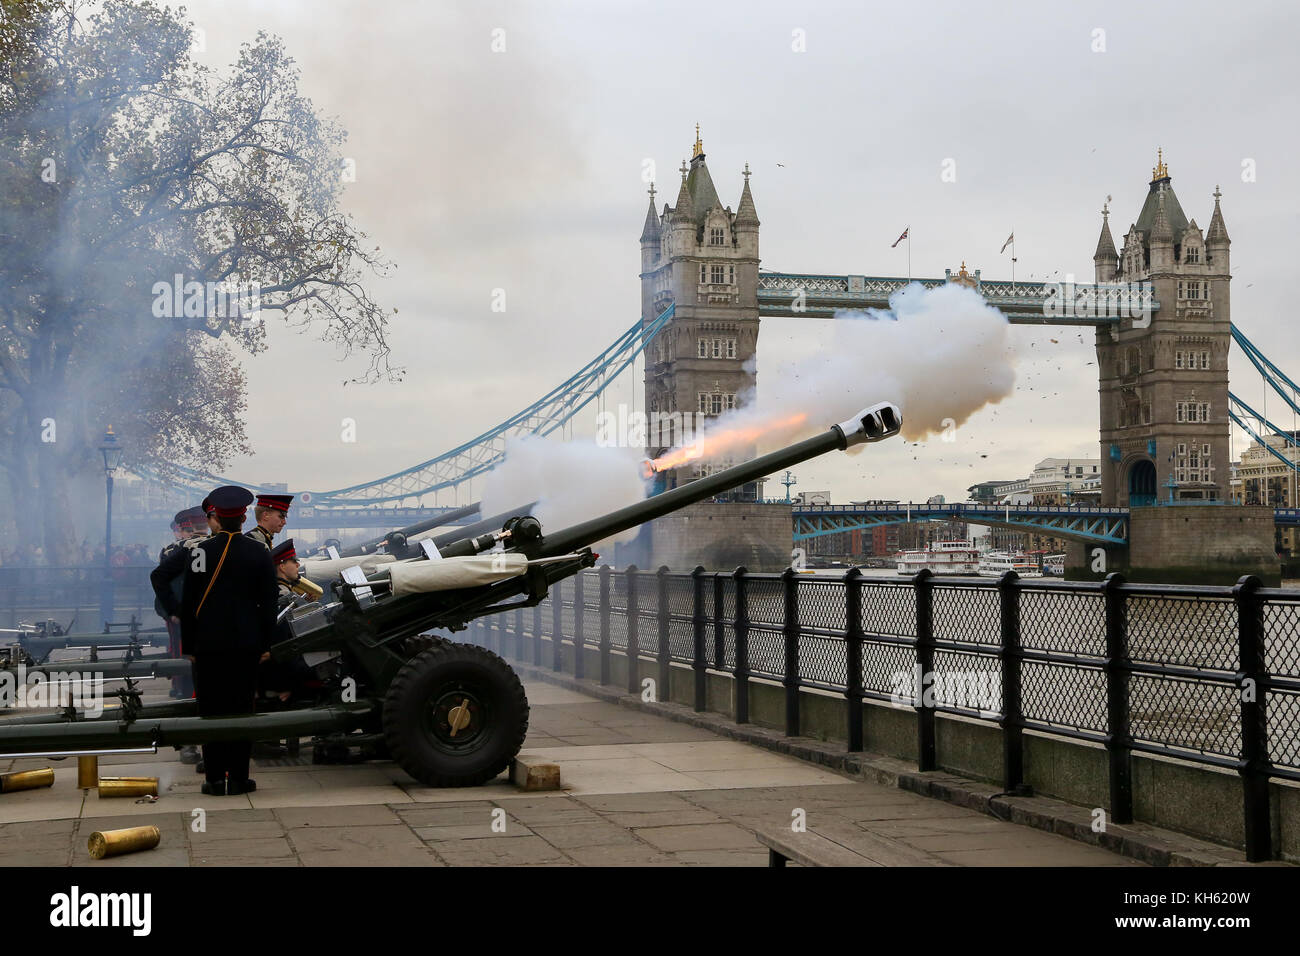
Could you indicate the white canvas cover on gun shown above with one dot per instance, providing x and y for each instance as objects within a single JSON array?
[
  {"x": 420, "y": 577},
  {"x": 318, "y": 569}
]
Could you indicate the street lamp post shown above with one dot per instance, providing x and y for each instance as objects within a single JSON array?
[{"x": 112, "y": 455}]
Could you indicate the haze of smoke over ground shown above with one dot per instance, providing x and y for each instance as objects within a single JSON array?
[
  {"x": 938, "y": 354},
  {"x": 571, "y": 481}
]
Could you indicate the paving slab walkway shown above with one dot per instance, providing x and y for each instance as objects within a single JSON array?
[{"x": 639, "y": 790}]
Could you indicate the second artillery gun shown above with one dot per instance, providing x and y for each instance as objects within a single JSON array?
[{"x": 450, "y": 714}]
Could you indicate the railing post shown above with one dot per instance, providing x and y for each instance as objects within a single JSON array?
[
  {"x": 790, "y": 636},
  {"x": 633, "y": 637},
  {"x": 853, "y": 657},
  {"x": 664, "y": 691},
  {"x": 1117, "y": 730},
  {"x": 742, "y": 645},
  {"x": 698, "y": 663},
  {"x": 557, "y": 627},
  {"x": 1013, "y": 755},
  {"x": 719, "y": 614},
  {"x": 519, "y": 634},
  {"x": 579, "y": 623},
  {"x": 537, "y": 635},
  {"x": 1254, "y": 720},
  {"x": 926, "y": 756},
  {"x": 604, "y": 623}
]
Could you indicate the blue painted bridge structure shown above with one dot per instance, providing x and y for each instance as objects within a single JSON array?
[{"x": 1094, "y": 525}]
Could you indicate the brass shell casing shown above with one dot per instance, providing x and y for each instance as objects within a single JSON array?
[
  {"x": 308, "y": 589},
  {"x": 87, "y": 772},
  {"x": 128, "y": 786},
  {"x": 104, "y": 843},
  {"x": 26, "y": 779}
]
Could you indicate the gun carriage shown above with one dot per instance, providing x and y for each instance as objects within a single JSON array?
[{"x": 449, "y": 714}]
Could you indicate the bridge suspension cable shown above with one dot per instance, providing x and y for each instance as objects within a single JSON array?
[{"x": 480, "y": 454}]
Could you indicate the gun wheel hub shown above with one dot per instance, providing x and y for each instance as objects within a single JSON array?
[{"x": 457, "y": 718}]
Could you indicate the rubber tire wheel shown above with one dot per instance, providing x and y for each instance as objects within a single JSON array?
[
  {"x": 421, "y": 642},
  {"x": 406, "y": 712}
]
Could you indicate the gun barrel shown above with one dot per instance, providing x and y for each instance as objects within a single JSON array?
[
  {"x": 369, "y": 547},
  {"x": 869, "y": 425}
]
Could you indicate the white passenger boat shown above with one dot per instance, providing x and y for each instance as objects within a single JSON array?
[
  {"x": 942, "y": 557},
  {"x": 1054, "y": 565},
  {"x": 997, "y": 563}
]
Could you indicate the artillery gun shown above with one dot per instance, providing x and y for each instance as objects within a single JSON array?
[{"x": 449, "y": 714}]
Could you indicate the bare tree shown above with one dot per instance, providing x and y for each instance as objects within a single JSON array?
[{"x": 149, "y": 206}]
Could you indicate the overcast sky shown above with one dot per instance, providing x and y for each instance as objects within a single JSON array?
[{"x": 521, "y": 170}]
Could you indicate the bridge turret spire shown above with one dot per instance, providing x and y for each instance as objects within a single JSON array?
[
  {"x": 1217, "y": 233},
  {"x": 651, "y": 233},
  {"x": 1106, "y": 259},
  {"x": 746, "y": 214},
  {"x": 684, "y": 209}
]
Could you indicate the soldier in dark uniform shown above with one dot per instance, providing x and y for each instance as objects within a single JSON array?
[
  {"x": 271, "y": 513},
  {"x": 227, "y": 613},
  {"x": 189, "y": 527},
  {"x": 285, "y": 678}
]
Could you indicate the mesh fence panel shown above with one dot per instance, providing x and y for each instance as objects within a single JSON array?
[
  {"x": 1284, "y": 728},
  {"x": 963, "y": 681},
  {"x": 822, "y": 605},
  {"x": 888, "y": 609},
  {"x": 1065, "y": 695},
  {"x": 1179, "y": 712},
  {"x": 681, "y": 640},
  {"x": 822, "y": 660},
  {"x": 765, "y": 601},
  {"x": 888, "y": 668},
  {"x": 1282, "y": 637},
  {"x": 1193, "y": 631},
  {"x": 968, "y": 615},
  {"x": 767, "y": 651},
  {"x": 1067, "y": 623}
]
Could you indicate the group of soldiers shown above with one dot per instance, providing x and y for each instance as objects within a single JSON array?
[{"x": 221, "y": 591}]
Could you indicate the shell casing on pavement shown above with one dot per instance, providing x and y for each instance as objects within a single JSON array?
[
  {"x": 87, "y": 772},
  {"x": 26, "y": 779},
  {"x": 104, "y": 843},
  {"x": 128, "y": 786}
]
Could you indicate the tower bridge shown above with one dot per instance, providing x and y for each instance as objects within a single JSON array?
[{"x": 1159, "y": 305}]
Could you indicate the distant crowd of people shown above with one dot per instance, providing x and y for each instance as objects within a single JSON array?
[{"x": 136, "y": 555}]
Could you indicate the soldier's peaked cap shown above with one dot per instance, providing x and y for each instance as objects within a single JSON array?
[
  {"x": 278, "y": 502},
  {"x": 231, "y": 501},
  {"x": 207, "y": 506},
  {"x": 284, "y": 552},
  {"x": 192, "y": 518}
]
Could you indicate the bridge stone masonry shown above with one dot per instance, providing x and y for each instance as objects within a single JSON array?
[{"x": 1160, "y": 307}]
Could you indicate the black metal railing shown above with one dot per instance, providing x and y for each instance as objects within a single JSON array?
[{"x": 1209, "y": 675}]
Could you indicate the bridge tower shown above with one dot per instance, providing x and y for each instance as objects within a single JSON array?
[
  {"x": 1164, "y": 383},
  {"x": 701, "y": 257}
]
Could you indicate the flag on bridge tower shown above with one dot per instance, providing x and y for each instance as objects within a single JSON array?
[
  {"x": 901, "y": 238},
  {"x": 1010, "y": 239}
]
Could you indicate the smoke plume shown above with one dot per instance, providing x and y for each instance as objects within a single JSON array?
[
  {"x": 571, "y": 481},
  {"x": 940, "y": 354}
]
